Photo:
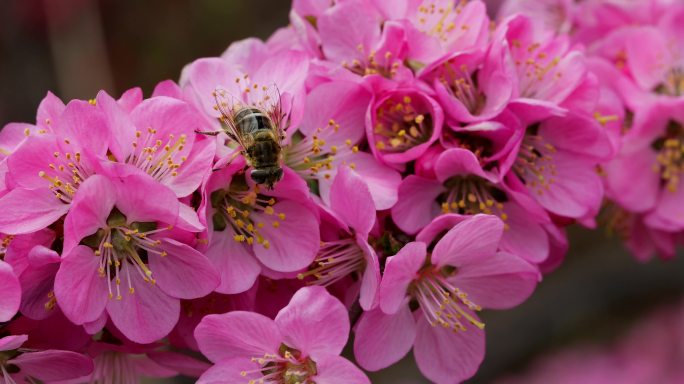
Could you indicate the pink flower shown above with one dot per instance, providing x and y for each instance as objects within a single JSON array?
[
  {"x": 464, "y": 187},
  {"x": 120, "y": 256},
  {"x": 402, "y": 122},
  {"x": 350, "y": 254},
  {"x": 555, "y": 16},
  {"x": 462, "y": 274},
  {"x": 333, "y": 130},
  {"x": 45, "y": 365},
  {"x": 302, "y": 344},
  {"x": 11, "y": 292}
]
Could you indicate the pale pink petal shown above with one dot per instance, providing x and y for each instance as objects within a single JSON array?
[
  {"x": 469, "y": 241},
  {"x": 84, "y": 126},
  {"x": 293, "y": 242},
  {"x": 381, "y": 340},
  {"x": 29, "y": 210},
  {"x": 188, "y": 219},
  {"x": 119, "y": 124},
  {"x": 416, "y": 205},
  {"x": 80, "y": 290},
  {"x": 445, "y": 356},
  {"x": 343, "y": 29},
  {"x": 12, "y": 342},
  {"x": 498, "y": 281},
  {"x": 237, "y": 334},
  {"x": 400, "y": 270},
  {"x": 458, "y": 162},
  {"x": 53, "y": 365},
  {"x": 314, "y": 322},
  {"x": 351, "y": 199},
  {"x": 183, "y": 272},
  {"x": 234, "y": 261},
  {"x": 203, "y": 76},
  {"x": 334, "y": 369},
  {"x": 130, "y": 98},
  {"x": 195, "y": 168},
  {"x": 145, "y": 315},
  {"x": 90, "y": 209},
  {"x": 370, "y": 281},
  {"x": 524, "y": 237},
  {"x": 49, "y": 110},
  {"x": 624, "y": 170},
  {"x": 11, "y": 292},
  {"x": 230, "y": 371},
  {"x": 168, "y": 88},
  {"x": 383, "y": 181}
]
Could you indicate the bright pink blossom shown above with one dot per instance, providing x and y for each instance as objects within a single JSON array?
[
  {"x": 461, "y": 275},
  {"x": 302, "y": 344}
]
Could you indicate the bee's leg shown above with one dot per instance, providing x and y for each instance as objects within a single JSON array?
[{"x": 208, "y": 133}]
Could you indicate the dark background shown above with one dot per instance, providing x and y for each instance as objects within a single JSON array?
[{"x": 76, "y": 47}]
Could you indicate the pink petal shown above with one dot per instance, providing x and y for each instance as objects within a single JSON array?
[
  {"x": 146, "y": 315},
  {"x": 180, "y": 363},
  {"x": 80, "y": 291},
  {"x": 524, "y": 237},
  {"x": 445, "y": 356},
  {"x": 294, "y": 243},
  {"x": 383, "y": 181},
  {"x": 351, "y": 199},
  {"x": 314, "y": 322},
  {"x": 29, "y": 210},
  {"x": 195, "y": 168},
  {"x": 184, "y": 272},
  {"x": 416, "y": 205},
  {"x": 668, "y": 214},
  {"x": 624, "y": 170},
  {"x": 203, "y": 76},
  {"x": 370, "y": 281},
  {"x": 458, "y": 162},
  {"x": 85, "y": 126},
  {"x": 90, "y": 209},
  {"x": 497, "y": 281},
  {"x": 469, "y": 241},
  {"x": 342, "y": 29},
  {"x": 237, "y": 334},
  {"x": 53, "y": 365},
  {"x": 381, "y": 340},
  {"x": 37, "y": 283},
  {"x": 168, "y": 88},
  {"x": 49, "y": 110},
  {"x": 130, "y": 98},
  {"x": 12, "y": 342},
  {"x": 230, "y": 371},
  {"x": 188, "y": 219},
  {"x": 439, "y": 226},
  {"x": 141, "y": 198},
  {"x": 400, "y": 270},
  {"x": 336, "y": 369},
  {"x": 234, "y": 262},
  {"x": 11, "y": 292},
  {"x": 119, "y": 123}
]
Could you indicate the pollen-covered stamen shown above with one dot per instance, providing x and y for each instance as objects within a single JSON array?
[
  {"x": 237, "y": 211},
  {"x": 616, "y": 220},
  {"x": 670, "y": 156},
  {"x": 673, "y": 84},
  {"x": 65, "y": 173},
  {"x": 535, "y": 164},
  {"x": 259, "y": 95},
  {"x": 4, "y": 244},
  {"x": 160, "y": 157},
  {"x": 374, "y": 63},
  {"x": 334, "y": 261},
  {"x": 536, "y": 70},
  {"x": 289, "y": 366},
  {"x": 314, "y": 156},
  {"x": 401, "y": 123},
  {"x": 439, "y": 18},
  {"x": 461, "y": 83},
  {"x": 124, "y": 249},
  {"x": 442, "y": 303},
  {"x": 470, "y": 195}
]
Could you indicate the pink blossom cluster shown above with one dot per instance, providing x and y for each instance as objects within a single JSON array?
[
  {"x": 635, "y": 49},
  {"x": 652, "y": 351},
  {"x": 431, "y": 161}
]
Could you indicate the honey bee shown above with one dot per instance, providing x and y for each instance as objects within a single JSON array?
[{"x": 258, "y": 130}]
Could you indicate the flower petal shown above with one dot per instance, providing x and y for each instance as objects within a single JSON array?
[
  {"x": 80, "y": 291},
  {"x": 400, "y": 270},
  {"x": 314, "y": 322},
  {"x": 381, "y": 340},
  {"x": 350, "y": 198},
  {"x": 12, "y": 342},
  {"x": 90, "y": 208},
  {"x": 11, "y": 292},
  {"x": 469, "y": 241},
  {"x": 237, "y": 334},
  {"x": 336, "y": 369},
  {"x": 416, "y": 205},
  {"x": 184, "y": 272},
  {"x": 146, "y": 315},
  {"x": 234, "y": 262},
  {"x": 53, "y": 365},
  {"x": 29, "y": 210}
]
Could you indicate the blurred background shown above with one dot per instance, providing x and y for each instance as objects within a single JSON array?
[{"x": 76, "y": 47}]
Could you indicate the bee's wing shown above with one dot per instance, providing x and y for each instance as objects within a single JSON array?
[
  {"x": 275, "y": 112},
  {"x": 228, "y": 105}
]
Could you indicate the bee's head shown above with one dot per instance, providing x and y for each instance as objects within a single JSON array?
[{"x": 267, "y": 176}]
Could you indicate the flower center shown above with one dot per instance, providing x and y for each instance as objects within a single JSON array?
[
  {"x": 289, "y": 366},
  {"x": 334, "y": 261},
  {"x": 65, "y": 174},
  {"x": 534, "y": 164},
  {"x": 244, "y": 212},
  {"x": 461, "y": 83},
  {"x": 123, "y": 249},
  {"x": 670, "y": 160},
  {"x": 4, "y": 244},
  {"x": 314, "y": 156},
  {"x": 158, "y": 157},
  {"x": 673, "y": 85},
  {"x": 442, "y": 303},
  {"x": 470, "y": 195},
  {"x": 384, "y": 65},
  {"x": 401, "y": 124}
]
